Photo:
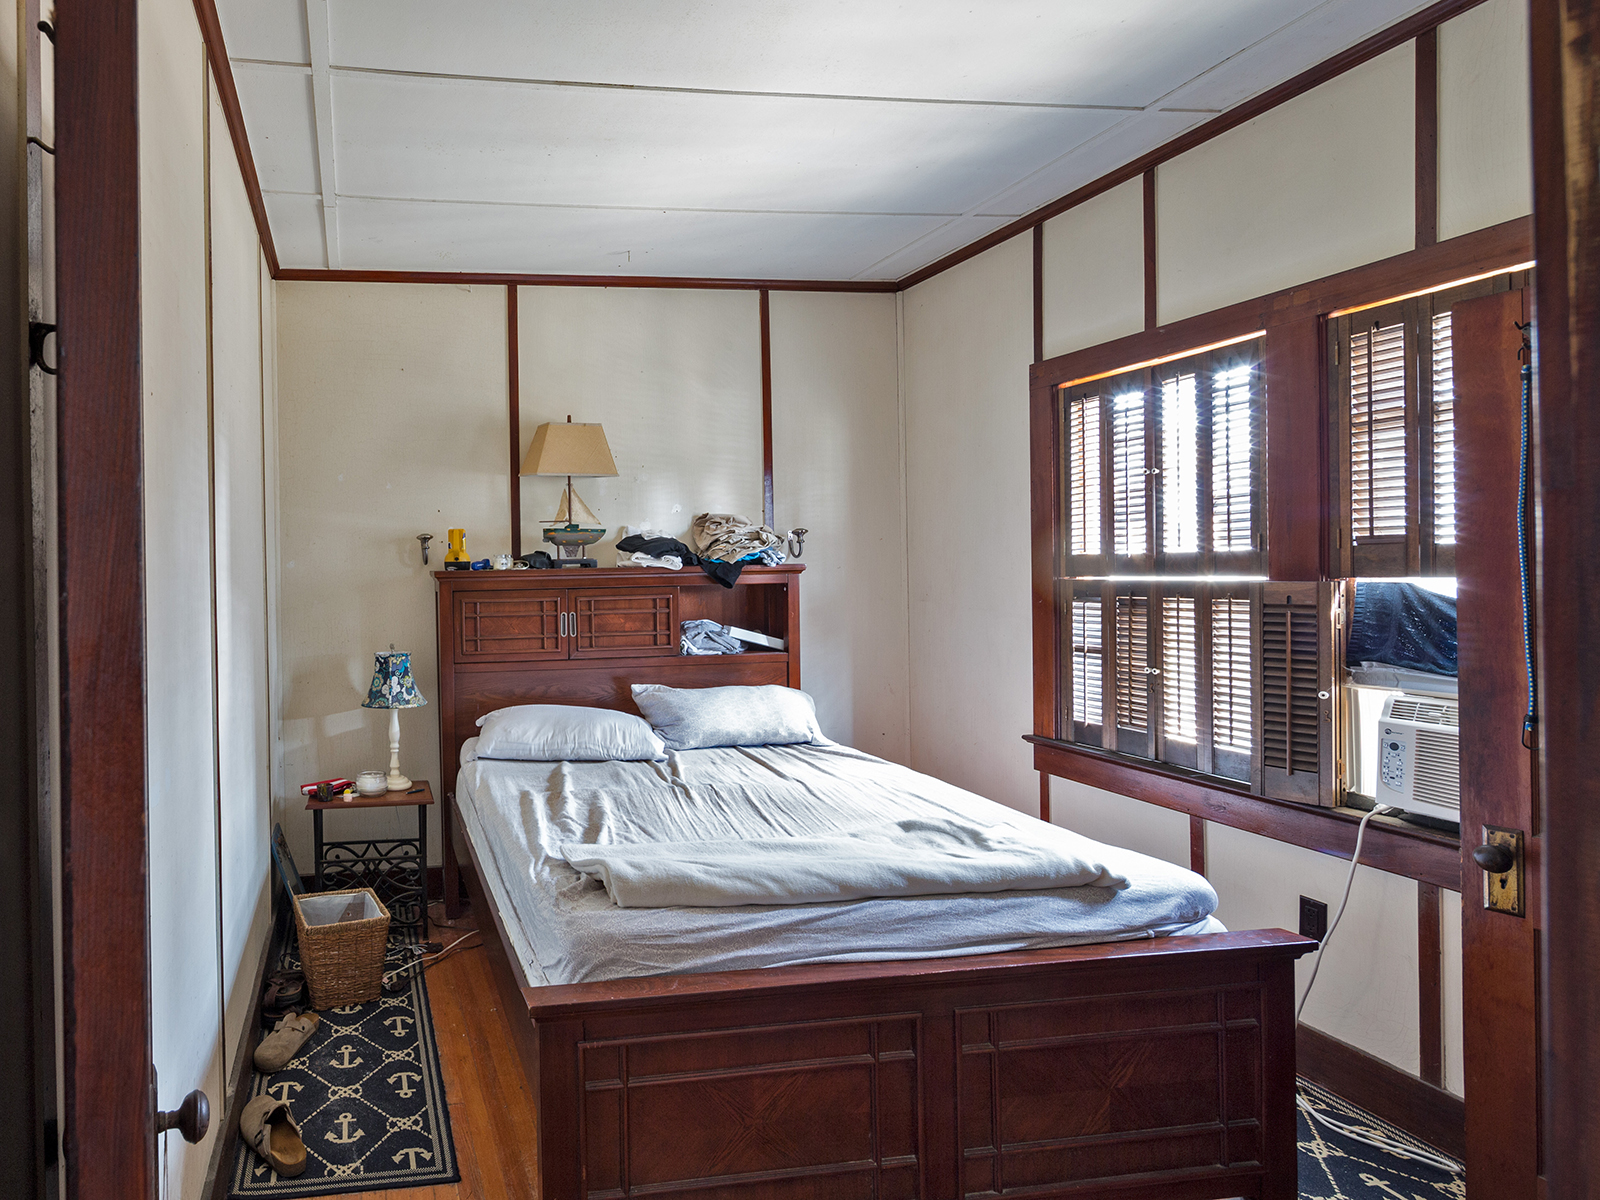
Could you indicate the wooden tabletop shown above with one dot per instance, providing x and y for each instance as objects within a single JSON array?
[{"x": 421, "y": 793}]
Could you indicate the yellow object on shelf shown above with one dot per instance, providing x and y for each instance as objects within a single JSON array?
[{"x": 457, "y": 552}]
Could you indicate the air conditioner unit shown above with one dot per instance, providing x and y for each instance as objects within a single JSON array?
[{"x": 1419, "y": 763}]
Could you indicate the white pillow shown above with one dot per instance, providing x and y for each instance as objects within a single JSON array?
[
  {"x": 698, "y": 718},
  {"x": 567, "y": 733}
]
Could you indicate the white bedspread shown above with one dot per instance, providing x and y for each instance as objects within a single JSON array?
[
  {"x": 910, "y": 857},
  {"x": 521, "y": 817}
]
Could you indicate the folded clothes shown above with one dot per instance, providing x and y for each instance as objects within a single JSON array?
[
  {"x": 639, "y": 559},
  {"x": 730, "y": 538},
  {"x": 659, "y": 546},
  {"x": 708, "y": 637}
]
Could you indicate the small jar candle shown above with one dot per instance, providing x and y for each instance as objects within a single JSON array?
[{"x": 372, "y": 783}]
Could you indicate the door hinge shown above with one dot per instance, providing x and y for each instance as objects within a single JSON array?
[{"x": 37, "y": 332}]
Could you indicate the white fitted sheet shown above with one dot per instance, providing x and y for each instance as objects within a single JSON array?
[{"x": 565, "y": 928}]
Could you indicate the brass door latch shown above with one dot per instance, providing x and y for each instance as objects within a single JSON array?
[{"x": 1501, "y": 858}]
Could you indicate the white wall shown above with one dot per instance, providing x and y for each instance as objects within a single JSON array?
[
  {"x": 1319, "y": 185},
  {"x": 392, "y": 419},
  {"x": 206, "y": 657},
  {"x": 836, "y": 474},
  {"x": 968, "y": 338}
]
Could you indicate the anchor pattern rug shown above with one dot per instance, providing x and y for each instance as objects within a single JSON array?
[
  {"x": 1335, "y": 1167},
  {"x": 367, "y": 1093}
]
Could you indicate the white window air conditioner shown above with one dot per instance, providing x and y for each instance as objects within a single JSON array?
[{"x": 1419, "y": 755}]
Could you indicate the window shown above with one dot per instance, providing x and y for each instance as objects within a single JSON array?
[
  {"x": 1163, "y": 468},
  {"x": 1394, "y": 421}
]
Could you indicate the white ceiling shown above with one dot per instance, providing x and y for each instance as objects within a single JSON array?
[{"x": 766, "y": 139}]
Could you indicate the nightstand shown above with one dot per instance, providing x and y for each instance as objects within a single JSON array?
[{"x": 395, "y": 868}]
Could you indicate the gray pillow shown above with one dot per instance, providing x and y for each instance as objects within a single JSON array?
[{"x": 699, "y": 718}]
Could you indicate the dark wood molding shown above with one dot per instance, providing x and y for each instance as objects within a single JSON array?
[
  {"x": 1150, "y": 317},
  {"x": 1430, "y": 985},
  {"x": 502, "y": 278},
  {"x": 1566, "y": 110},
  {"x": 109, "y": 1147},
  {"x": 514, "y": 413},
  {"x": 228, "y": 95},
  {"x": 1390, "y": 845},
  {"x": 1427, "y": 123},
  {"x": 1044, "y": 797},
  {"x": 1428, "y": 1113},
  {"x": 1505, "y": 245},
  {"x": 1297, "y": 443},
  {"x": 765, "y": 309},
  {"x": 1038, "y": 293},
  {"x": 1379, "y": 43},
  {"x": 1197, "y": 844}
]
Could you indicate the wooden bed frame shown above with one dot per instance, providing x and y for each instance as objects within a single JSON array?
[{"x": 1157, "y": 1068}]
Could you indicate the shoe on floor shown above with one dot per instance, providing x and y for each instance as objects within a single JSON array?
[
  {"x": 269, "y": 1128},
  {"x": 285, "y": 1040}
]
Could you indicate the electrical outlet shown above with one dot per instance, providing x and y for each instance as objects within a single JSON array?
[{"x": 1313, "y": 918}]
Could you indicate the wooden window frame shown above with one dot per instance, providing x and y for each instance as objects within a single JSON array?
[{"x": 1298, "y": 526}]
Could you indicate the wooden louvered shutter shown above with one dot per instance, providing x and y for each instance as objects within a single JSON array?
[
  {"x": 1130, "y": 477},
  {"x": 1380, "y": 476},
  {"x": 1296, "y": 691},
  {"x": 1179, "y": 683},
  {"x": 1235, "y": 425},
  {"x": 1085, "y": 665},
  {"x": 1178, "y": 492},
  {"x": 1132, "y": 672},
  {"x": 1439, "y": 516},
  {"x": 1082, "y": 468},
  {"x": 1232, "y": 689}
]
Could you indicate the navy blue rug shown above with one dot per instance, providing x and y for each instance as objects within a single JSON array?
[
  {"x": 368, "y": 1096},
  {"x": 1336, "y": 1167}
]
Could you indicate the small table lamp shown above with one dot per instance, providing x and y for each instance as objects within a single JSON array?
[
  {"x": 570, "y": 450},
  {"x": 394, "y": 689}
]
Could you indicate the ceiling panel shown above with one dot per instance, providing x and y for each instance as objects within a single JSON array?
[
  {"x": 1073, "y": 51},
  {"x": 272, "y": 30},
  {"x": 415, "y": 138},
  {"x": 296, "y": 229},
  {"x": 705, "y": 137},
  {"x": 276, "y": 102},
  {"x": 391, "y": 235}
]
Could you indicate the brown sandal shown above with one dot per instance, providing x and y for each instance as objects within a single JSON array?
[
  {"x": 285, "y": 1040},
  {"x": 269, "y": 1128}
]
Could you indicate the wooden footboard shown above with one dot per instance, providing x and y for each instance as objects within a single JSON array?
[{"x": 1159, "y": 1068}]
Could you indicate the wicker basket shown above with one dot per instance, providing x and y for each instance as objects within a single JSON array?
[{"x": 343, "y": 959}]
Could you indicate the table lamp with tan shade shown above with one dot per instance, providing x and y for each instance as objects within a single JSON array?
[{"x": 571, "y": 450}]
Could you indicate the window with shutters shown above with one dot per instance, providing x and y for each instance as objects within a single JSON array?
[
  {"x": 1163, "y": 467},
  {"x": 1394, "y": 425}
]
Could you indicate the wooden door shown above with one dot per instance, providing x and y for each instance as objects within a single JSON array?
[
  {"x": 1499, "y": 949},
  {"x": 633, "y": 622},
  {"x": 519, "y": 626}
]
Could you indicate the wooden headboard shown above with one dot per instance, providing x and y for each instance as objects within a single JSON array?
[{"x": 582, "y": 635}]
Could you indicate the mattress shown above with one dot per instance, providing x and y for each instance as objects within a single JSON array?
[{"x": 564, "y": 928}]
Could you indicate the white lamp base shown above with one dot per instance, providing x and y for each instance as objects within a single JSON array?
[{"x": 397, "y": 781}]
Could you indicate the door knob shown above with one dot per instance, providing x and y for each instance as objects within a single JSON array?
[
  {"x": 1495, "y": 858},
  {"x": 191, "y": 1118}
]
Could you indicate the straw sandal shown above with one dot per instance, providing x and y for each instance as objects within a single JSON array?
[
  {"x": 269, "y": 1128},
  {"x": 285, "y": 1040}
]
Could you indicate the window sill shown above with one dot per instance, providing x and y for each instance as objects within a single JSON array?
[{"x": 1390, "y": 845}]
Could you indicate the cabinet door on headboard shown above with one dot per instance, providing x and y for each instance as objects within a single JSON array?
[
  {"x": 503, "y": 625},
  {"x": 624, "y": 624}
]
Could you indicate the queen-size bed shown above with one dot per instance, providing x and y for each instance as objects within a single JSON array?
[{"x": 741, "y": 979}]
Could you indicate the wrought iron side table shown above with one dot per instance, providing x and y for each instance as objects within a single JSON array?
[{"x": 395, "y": 868}]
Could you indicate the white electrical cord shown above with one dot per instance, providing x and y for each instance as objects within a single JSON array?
[{"x": 1376, "y": 1141}]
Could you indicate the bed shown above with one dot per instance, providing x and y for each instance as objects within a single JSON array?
[{"x": 800, "y": 1053}]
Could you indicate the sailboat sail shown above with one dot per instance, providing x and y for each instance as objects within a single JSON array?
[{"x": 564, "y": 511}]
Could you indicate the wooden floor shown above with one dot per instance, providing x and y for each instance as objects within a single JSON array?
[{"x": 491, "y": 1111}]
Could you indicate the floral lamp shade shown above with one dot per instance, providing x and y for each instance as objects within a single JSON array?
[{"x": 392, "y": 684}]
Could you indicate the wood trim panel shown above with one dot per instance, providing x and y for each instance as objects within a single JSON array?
[
  {"x": 1038, "y": 293},
  {"x": 1427, "y": 135},
  {"x": 1044, "y": 455},
  {"x": 1430, "y": 985},
  {"x": 1297, "y": 442},
  {"x": 109, "y": 1147},
  {"x": 1505, "y": 245},
  {"x": 1149, "y": 194},
  {"x": 514, "y": 412},
  {"x": 765, "y": 308},
  {"x": 1390, "y": 845},
  {"x": 1197, "y": 844},
  {"x": 1566, "y": 110},
  {"x": 1379, "y": 43},
  {"x": 228, "y": 94},
  {"x": 1431, "y": 1114},
  {"x": 324, "y": 275}
]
